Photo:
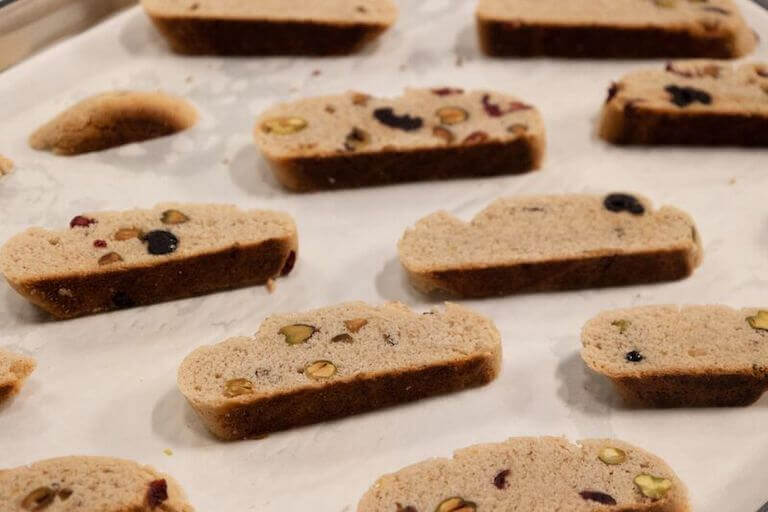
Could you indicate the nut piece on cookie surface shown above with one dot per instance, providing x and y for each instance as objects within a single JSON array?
[
  {"x": 297, "y": 333},
  {"x": 112, "y": 119}
]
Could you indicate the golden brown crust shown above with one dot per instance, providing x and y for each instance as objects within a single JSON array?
[
  {"x": 369, "y": 169},
  {"x": 508, "y": 38},
  {"x": 72, "y": 296},
  {"x": 689, "y": 390},
  {"x": 595, "y": 272},
  {"x": 635, "y": 124},
  {"x": 199, "y": 36},
  {"x": 346, "y": 397}
]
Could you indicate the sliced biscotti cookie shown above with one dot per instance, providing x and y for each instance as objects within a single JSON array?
[
  {"x": 671, "y": 356},
  {"x": 270, "y": 27},
  {"x": 112, "y": 119},
  {"x": 533, "y": 475},
  {"x": 14, "y": 370},
  {"x": 527, "y": 244},
  {"x": 700, "y": 102},
  {"x": 355, "y": 140},
  {"x": 613, "y": 29},
  {"x": 110, "y": 260},
  {"x": 309, "y": 367},
  {"x": 69, "y": 484}
]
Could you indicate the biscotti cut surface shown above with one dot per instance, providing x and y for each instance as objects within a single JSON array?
[
  {"x": 14, "y": 370},
  {"x": 70, "y": 484},
  {"x": 308, "y": 367},
  {"x": 533, "y": 475},
  {"x": 701, "y": 102},
  {"x": 549, "y": 243},
  {"x": 354, "y": 139},
  {"x": 112, "y": 119},
  {"x": 106, "y": 260},
  {"x": 270, "y": 27},
  {"x": 614, "y": 28},
  {"x": 681, "y": 356}
]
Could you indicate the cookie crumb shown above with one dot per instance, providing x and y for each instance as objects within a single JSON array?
[
  {"x": 271, "y": 285},
  {"x": 168, "y": 452},
  {"x": 6, "y": 165}
]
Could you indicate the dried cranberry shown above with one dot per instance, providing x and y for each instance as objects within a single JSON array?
[
  {"x": 634, "y": 356},
  {"x": 405, "y": 122},
  {"x": 100, "y": 243},
  {"x": 495, "y": 110},
  {"x": 289, "y": 263},
  {"x": 81, "y": 222},
  {"x": 684, "y": 96},
  {"x": 622, "y": 203},
  {"x": 500, "y": 480},
  {"x": 157, "y": 493},
  {"x": 599, "y": 497},
  {"x": 447, "y": 91},
  {"x": 161, "y": 242}
]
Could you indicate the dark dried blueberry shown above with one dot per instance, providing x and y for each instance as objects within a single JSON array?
[
  {"x": 405, "y": 122},
  {"x": 81, "y": 222},
  {"x": 157, "y": 493},
  {"x": 122, "y": 300},
  {"x": 289, "y": 263},
  {"x": 447, "y": 91},
  {"x": 634, "y": 356},
  {"x": 500, "y": 480},
  {"x": 623, "y": 203},
  {"x": 161, "y": 242},
  {"x": 684, "y": 96},
  {"x": 599, "y": 497},
  {"x": 495, "y": 110},
  {"x": 100, "y": 243}
]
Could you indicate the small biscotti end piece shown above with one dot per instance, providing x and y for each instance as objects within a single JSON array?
[
  {"x": 309, "y": 367},
  {"x": 112, "y": 119},
  {"x": 270, "y": 27},
  {"x": 14, "y": 370},
  {"x": 113, "y": 260},
  {"x": 544, "y": 243},
  {"x": 691, "y": 356},
  {"x": 616, "y": 29},
  {"x": 545, "y": 474},
  {"x": 695, "y": 102},
  {"x": 91, "y": 483},
  {"x": 356, "y": 140}
]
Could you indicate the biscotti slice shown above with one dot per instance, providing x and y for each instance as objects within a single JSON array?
[
  {"x": 93, "y": 484},
  {"x": 112, "y": 119},
  {"x": 671, "y": 356},
  {"x": 309, "y": 367},
  {"x": 110, "y": 260},
  {"x": 613, "y": 29},
  {"x": 355, "y": 140},
  {"x": 270, "y": 27},
  {"x": 700, "y": 102},
  {"x": 528, "y": 474},
  {"x": 541, "y": 243},
  {"x": 14, "y": 370}
]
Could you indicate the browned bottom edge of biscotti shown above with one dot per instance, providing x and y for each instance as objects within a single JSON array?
[
  {"x": 197, "y": 36},
  {"x": 664, "y": 391},
  {"x": 516, "y": 39},
  {"x": 7, "y": 391},
  {"x": 595, "y": 272},
  {"x": 345, "y": 398},
  {"x": 237, "y": 266},
  {"x": 637, "y": 125},
  {"x": 350, "y": 170}
]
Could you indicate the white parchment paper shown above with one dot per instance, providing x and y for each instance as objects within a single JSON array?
[{"x": 106, "y": 384}]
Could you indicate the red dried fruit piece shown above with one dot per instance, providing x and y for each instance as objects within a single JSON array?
[
  {"x": 500, "y": 480},
  {"x": 495, "y": 110},
  {"x": 600, "y": 497},
  {"x": 447, "y": 91},
  {"x": 475, "y": 138},
  {"x": 100, "y": 243},
  {"x": 81, "y": 222},
  {"x": 157, "y": 493}
]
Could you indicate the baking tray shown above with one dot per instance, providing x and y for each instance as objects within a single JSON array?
[{"x": 106, "y": 384}]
